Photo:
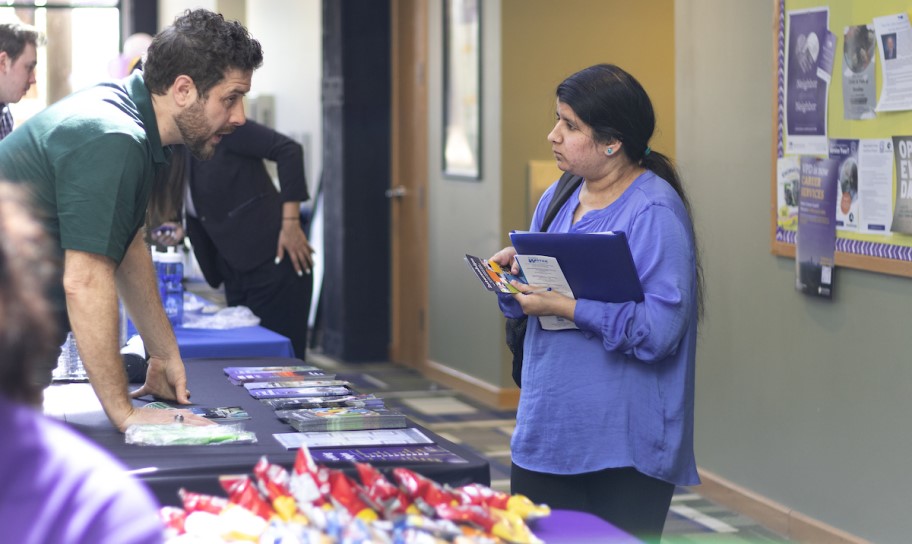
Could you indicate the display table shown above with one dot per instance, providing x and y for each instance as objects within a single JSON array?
[
  {"x": 569, "y": 527},
  {"x": 168, "y": 468}
]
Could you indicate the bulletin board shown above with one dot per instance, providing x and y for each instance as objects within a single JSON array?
[{"x": 888, "y": 252}]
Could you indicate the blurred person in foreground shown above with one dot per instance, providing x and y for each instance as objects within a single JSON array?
[
  {"x": 57, "y": 486},
  {"x": 18, "y": 59},
  {"x": 90, "y": 161},
  {"x": 605, "y": 418},
  {"x": 245, "y": 233}
]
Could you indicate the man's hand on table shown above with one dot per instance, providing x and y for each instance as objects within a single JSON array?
[
  {"x": 165, "y": 379},
  {"x": 146, "y": 416}
]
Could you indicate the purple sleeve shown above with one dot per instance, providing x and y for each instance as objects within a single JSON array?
[
  {"x": 507, "y": 303},
  {"x": 650, "y": 330},
  {"x": 509, "y": 306}
]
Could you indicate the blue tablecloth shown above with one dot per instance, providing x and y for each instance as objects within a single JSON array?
[
  {"x": 240, "y": 342},
  {"x": 254, "y": 341}
]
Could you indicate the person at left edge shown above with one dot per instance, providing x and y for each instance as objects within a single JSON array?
[
  {"x": 91, "y": 160},
  {"x": 18, "y": 59},
  {"x": 58, "y": 486}
]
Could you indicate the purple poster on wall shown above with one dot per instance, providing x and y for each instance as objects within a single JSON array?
[
  {"x": 816, "y": 241},
  {"x": 810, "y": 48}
]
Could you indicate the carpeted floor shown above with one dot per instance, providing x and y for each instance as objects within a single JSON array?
[{"x": 692, "y": 518}]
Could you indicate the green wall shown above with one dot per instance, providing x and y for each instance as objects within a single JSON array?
[{"x": 804, "y": 401}]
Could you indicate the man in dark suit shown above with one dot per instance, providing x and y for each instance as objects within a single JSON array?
[
  {"x": 245, "y": 232},
  {"x": 889, "y": 46}
]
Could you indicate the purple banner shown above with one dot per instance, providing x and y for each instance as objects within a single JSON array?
[{"x": 816, "y": 240}]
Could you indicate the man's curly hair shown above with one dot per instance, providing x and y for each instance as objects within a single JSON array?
[{"x": 203, "y": 45}]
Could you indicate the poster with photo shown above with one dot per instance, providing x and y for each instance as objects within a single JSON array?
[
  {"x": 894, "y": 35},
  {"x": 858, "y": 52},
  {"x": 845, "y": 153}
]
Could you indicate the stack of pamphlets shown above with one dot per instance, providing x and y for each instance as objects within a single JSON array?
[
  {"x": 294, "y": 383},
  {"x": 299, "y": 392},
  {"x": 297, "y": 403},
  {"x": 349, "y": 439},
  {"x": 342, "y": 419},
  {"x": 298, "y": 388},
  {"x": 239, "y": 375}
]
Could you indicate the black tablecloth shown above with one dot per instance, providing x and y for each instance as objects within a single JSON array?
[{"x": 197, "y": 468}]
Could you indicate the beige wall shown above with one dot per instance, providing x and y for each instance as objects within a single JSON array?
[{"x": 545, "y": 41}]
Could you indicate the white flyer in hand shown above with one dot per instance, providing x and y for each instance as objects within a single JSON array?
[{"x": 544, "y": 271}]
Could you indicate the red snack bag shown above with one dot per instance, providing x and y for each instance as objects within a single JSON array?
[
  {"x": 482, "y": 495},
  {"x": 304, "y": 461},
  {"x": 173, "y": 519},
  {"x": 417, "y": 487},
  {"x": 242, "y": 492},
  {"x": 516, "y": 504},
  {"x": 309, "y": 484},
  {"x": 272, "y": 479},
  {"x": 197, "y": 502},
  {"x": 382, "y": 491},
  {"x": 479, "y": 516},
  {"x": 344, "y": 491}
]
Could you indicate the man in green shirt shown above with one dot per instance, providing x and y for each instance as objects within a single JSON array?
[{"x": 90, "y": 160}]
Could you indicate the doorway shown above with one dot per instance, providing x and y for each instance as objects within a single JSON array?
[{"x": 409, "y": 184}]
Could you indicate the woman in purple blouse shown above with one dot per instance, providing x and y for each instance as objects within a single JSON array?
[{"x": 605, "y": 419}]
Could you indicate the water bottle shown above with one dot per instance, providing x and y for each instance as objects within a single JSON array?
[
  {"x": 170, "y": 270},
  {"x": 122, "y": 325},
  {"x": 69, "y": 362}
]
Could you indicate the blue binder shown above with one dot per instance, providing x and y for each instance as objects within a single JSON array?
[{"x": 597, "y": 266}]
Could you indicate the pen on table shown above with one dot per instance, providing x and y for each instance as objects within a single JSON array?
[{"x": 536, "y": 291}]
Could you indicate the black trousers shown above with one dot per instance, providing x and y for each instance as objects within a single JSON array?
[
  {"x": 630, "y": 500},
  {"x": 276, "y": 294}
]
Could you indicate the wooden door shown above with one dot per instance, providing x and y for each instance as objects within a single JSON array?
[{"x": 409, "y": 184}]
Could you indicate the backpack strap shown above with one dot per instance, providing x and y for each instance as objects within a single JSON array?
[{"x": 565, "y": 187}]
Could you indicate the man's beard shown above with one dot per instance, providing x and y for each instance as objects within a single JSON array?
[{"x": 194, "y": 130}]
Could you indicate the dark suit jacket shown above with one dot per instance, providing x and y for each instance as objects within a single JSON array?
[{"x": 238, "y": 209}]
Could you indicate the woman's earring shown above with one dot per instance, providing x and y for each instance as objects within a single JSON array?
[{"x": 609, "y": 151}]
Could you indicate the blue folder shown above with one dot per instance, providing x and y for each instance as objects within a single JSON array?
[{"x": 597, "y": 266}]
